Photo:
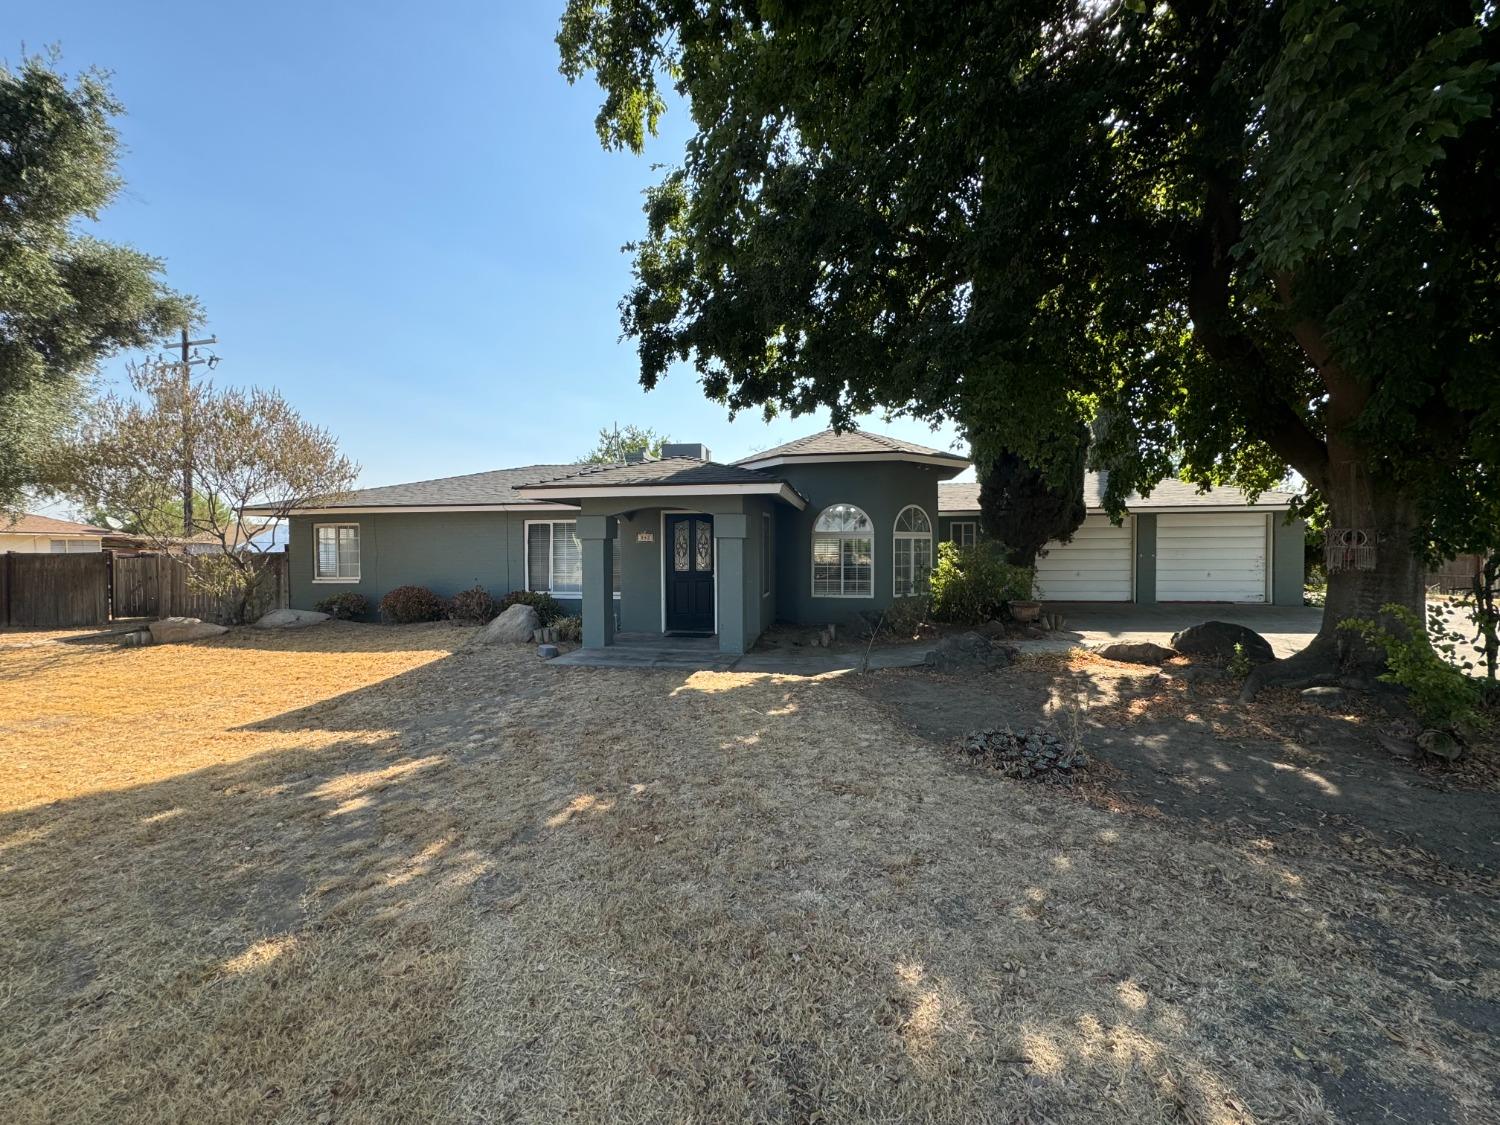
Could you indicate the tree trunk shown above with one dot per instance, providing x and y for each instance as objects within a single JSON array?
[{"x": 1398, "y": 578}]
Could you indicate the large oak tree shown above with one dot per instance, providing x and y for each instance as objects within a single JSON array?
[{"x": 1239, "y": 238}]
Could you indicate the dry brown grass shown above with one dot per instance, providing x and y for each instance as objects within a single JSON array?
[{"x": 343, "y": 877}]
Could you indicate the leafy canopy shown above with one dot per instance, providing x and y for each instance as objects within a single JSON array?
[
  {"x": 66, "y": 300},
  {"x": 1235, "y": 237},
  {"x": 615, "y": 444}
]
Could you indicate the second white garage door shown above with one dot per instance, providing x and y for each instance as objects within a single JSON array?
[
  {"x": 1094, "y": 567},
  {"x": 1214, "y": 557}
]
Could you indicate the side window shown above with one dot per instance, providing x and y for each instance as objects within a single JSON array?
[
  {"x": 843, "y": 553},
  {"x": 911, "y": 553}
]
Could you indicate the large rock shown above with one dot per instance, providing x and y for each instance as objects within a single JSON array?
[
  {"x": 1218, "y": 638},
  {"x": 514, "y": 626},
  {"x": 969, "y": 651},
  {"x": 175, "y": 630},
  {"x": 290, "y": 619},
  {"x": 1136, "y": 652}
]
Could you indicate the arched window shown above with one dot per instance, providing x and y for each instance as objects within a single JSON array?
[
  {"x": 911, "y": 553},
  {"x": 843, "y": 553}
]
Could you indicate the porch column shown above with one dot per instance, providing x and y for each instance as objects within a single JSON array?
[
  {"x": 597, "y": 534},
  {"x": 730, "y": 531}
]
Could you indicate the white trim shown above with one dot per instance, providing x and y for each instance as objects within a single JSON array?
[
  {"x": 956, "y": 463},
  {"x": 812, "y": 565},
  {"x": 526, "y": 559},
  {"x": 359, "y": 539},
  {"x": 954, "y": 524},
  {"x": 407, "y": 509},
  {"x": 897, "y": 536},
  {"x": 658, "y": 491}
]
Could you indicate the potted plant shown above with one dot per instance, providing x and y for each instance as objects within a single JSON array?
[{"x": 1025, "y": 610}]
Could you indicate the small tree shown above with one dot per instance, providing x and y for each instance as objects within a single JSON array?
[
  {"x": 1026, "y": 506},
  {"x": 250, "y": 449},
  {"x": 615, "y": 444}
]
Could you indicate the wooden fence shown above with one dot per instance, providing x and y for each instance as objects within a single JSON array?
[
  {"x": 45, "y": 591},
  {"x": 1456, "y": 576},
  {"x": 54, "y": 591}
]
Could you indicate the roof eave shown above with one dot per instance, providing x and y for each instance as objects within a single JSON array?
[
  {"x": 778, "y": 489},
  {"x": 400, "y": 509},
  {"x": 957, "y": 464}
]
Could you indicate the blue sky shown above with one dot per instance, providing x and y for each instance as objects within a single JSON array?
[{"x": 399, "y": 215}]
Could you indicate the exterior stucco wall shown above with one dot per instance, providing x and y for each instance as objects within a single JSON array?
[
  {"x": 1288, "y": 560},
  {"x": 881, "y": 489}
]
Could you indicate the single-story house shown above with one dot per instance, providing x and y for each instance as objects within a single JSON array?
[
  {"x": 30, "y": 534},
  {"x": 1176, "y": 545},
  {"x": 821, "y": 530}
]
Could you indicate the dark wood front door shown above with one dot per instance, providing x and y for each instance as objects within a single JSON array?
[{"x": 690, "y": 574}]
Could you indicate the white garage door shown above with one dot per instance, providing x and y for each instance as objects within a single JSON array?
[
  {"x": 1094, "y": 567},
  {"x": 1215, "y": 557}
]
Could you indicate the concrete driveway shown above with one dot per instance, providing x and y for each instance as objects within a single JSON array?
[{"x": 1289, "y": 628}]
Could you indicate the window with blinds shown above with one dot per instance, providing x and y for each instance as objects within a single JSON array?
[
  {"x": 337, "y": 554},
  {"x": 843, "y": 553},
  {"x": 554, "y": 559}
]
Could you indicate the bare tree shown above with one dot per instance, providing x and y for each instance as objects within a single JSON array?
[{"x": 250, "y": 449}]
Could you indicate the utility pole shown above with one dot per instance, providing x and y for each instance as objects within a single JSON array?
[{"x": 185, "y": 366}]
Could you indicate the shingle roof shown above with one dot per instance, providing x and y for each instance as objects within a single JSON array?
[
  {"x": 851, "y": 443},
  {"x": 28, "y": 524},
  {"x": 495, "y": 487},
  {"x": 667, "y": 471},
  {"x": 964, "y": 497}
]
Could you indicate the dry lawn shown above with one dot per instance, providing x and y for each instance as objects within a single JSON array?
[{"x": 371, "y": 875}]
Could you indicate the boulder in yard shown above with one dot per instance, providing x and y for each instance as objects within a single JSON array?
[
  {"x": 1218, "y": 638},
  {"x": 1136, "y": 652},
  {"x": 514, "y": 626},
  {"x": 1032, "y": 754},
  {"x": 176, "y": 630},
  {"x": 290, "y": 619},
  {"x": 1440, "y": 744},
  {"x": 1325, "y": 695},
  {"x": 969, "y": 651},
  {"x": 547, "y": 652}
]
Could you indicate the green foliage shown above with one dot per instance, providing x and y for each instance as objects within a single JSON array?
[
  {"x": 1236, "y": 238},
  {"x": 548, "y": 609},
  {"x": 1026, "y": 507},
  {"x": 66, "y": 300},
  {"x": 615, "y": 444},
  {"x": 904, "y": 617},
  {"x": 971, "y": 585},
  {"x": 475, "y": 605},
  {"x": 161, "y": 518},
  {"x": 1240, "y": 665},
  {"x": 1441, "y": 695},
  {"x": 569, "y": 629},
  {"x": 347, "y": 606},
  {"x": 407, "y": 605}
]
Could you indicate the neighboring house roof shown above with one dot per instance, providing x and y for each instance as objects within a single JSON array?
[
  {"x": 491, "y": 491},
  {"x": 1168, "y": 495},
  {"x": 851, "y": 445},
  {"x": 680, "y": 475},
  {"x": 28, "y": 524},
  {"x": 241, "y": 535}
]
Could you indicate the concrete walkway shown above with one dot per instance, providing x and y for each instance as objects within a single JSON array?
[
  {"x": 1287, "y": 627},
  {"x": 649, "y": 650}
]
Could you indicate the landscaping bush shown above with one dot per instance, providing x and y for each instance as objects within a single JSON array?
[
  {"x": 1442, "y": 696},
  {"x": 406, "y": 605},
  {"x": 569, "y": 629},
  {"x": 476, "y": 606},
  {"x": 548, "y": 609},
  {"x": 902, "y": 620},
  {"x": 972, "y": 585},
  {"x": 344, "y": 607}
]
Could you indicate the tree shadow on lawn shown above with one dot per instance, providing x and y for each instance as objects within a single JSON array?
[{"x": 484, "y": 889}]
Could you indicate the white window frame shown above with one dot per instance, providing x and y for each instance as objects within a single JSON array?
[
  {"x": 526, "y": 559},
  {"x": 359, "y": 563},
  {"x": 812, "y": 560},
  {"x": 898, "y": 537},
  {"x": 956, "y": 539}
]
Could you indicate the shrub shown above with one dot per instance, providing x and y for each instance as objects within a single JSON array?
[
  {"x": 972, "y": 585},
  {"x": 406, "y": 605},
  {"x": 475, "y": 606},
  {"x": 1240, "y": 665},
  {"x": 548, "y": 609},
  {"x": 345, "y": 606},
  {"x": 903, "y": 618},
  {"x": 569, "y": 629},
  {"x": 1442, "y": 696}
]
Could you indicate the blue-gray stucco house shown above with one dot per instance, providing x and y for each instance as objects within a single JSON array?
[{"x": 826, "y": 529}]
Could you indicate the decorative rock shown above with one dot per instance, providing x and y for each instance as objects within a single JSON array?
[
  {"x": 1033, "y": 753},
  {"x": 1218, "y": 638},
  {"x": 1400, "y": 747},
  {"x": 1325, "y": 696},
  {"x": 515, "y": 626},
  {"x": 290, "y": 619},
  {"x": 1440, "y": 744},
  {"x": 547, "y": 652},
  {"x": 969, "y": 650},
  {"x": 176, "y": 630},
  {"x": 1136, "y": 652}
]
